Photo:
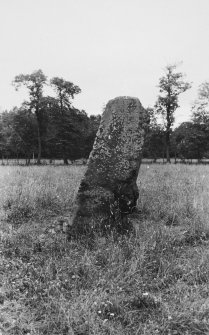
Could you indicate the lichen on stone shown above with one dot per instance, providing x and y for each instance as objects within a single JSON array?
[{"x": 113, "y": 166}]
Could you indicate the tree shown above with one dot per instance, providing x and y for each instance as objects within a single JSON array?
[
  {"x": 200, "y": 108},
  {"x": 2, "y": 139},
  {"x": 34, "y": 82},
  {"x": 17, "y": 133},
  {"x": 171, "y": 85},
  {"x": 24, "y": 132},
  {"x": 154, "y": 140},
  {"x": 200, "y": 119},
  {"x": 6, "y": 132},
  {"x": 65, "y": 91},
  {"x": 66, "y": 132},
  {"x": 191, "y": 140},
  {"x": 90, "y": 134},
  {"x": 154, "y": 143}
]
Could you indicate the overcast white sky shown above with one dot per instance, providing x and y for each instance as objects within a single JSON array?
[{"x": 107, "y": 47}]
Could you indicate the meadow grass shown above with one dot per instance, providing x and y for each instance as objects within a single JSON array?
[{"x": 155, "y": 281}]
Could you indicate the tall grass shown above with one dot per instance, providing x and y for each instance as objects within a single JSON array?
[
  {"x": 155, "y": 281},
  {"x": 32, "y": 192},
  {"x": 175, "y": 194}
]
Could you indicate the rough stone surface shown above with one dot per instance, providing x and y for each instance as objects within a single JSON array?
[{"x": 108, "y": 190}]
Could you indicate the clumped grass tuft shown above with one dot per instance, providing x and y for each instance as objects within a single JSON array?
[{"x": 154, "y": 281}]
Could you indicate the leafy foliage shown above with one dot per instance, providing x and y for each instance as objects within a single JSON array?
[
  {"x": 65, "y": 90},
  {"x": 34, "y": 83},
  {"x": 74, "y": 130},
  {"x": 171, "y": 85},
  {"x": 200, "y": 108},
  {"x": 47, "y": 126},
  {"x": 52, "y": 127},
  {"x": 154, "y": 140},
  {"x": 191, "y": 140},
  {"x": 66, "y": 124}
]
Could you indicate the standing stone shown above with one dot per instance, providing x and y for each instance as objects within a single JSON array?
[{"x": 108, "y": 190}]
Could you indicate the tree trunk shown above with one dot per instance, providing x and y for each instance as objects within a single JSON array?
[
  {"x": 63, "y": 144},
  {"x": 168, "y": 160},
  {"x": 64, "y": 154},
  {"x": 168, "y": 126},
  {"x": 65, "y": 161},
  {"x": 167, "y": 154},
  {"x": 39, "y": 146},
  {"x": 28, "y": 160},
  {"x": 167, "y": 139}
]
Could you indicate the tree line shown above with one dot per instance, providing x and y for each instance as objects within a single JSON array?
[
  {"x": 51, "y": 127},
  {"x": 190, "y": 140},
  {"x": 45, "y": 126}
]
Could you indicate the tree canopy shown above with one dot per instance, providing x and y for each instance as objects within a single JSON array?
[
  {"x": 51, "y": 127},
  {"x": 200, "y": 108},
  {"x": 171, "y": 85},
  {"x": 34, "y": 83}
]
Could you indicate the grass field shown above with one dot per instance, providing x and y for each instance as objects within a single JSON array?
[{"x": 153, "y": 282}]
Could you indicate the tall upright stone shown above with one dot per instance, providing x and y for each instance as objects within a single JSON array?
[{"x": 108, "y": 190}]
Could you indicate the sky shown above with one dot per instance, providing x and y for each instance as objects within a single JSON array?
[{"x": 108, "y": 48}]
